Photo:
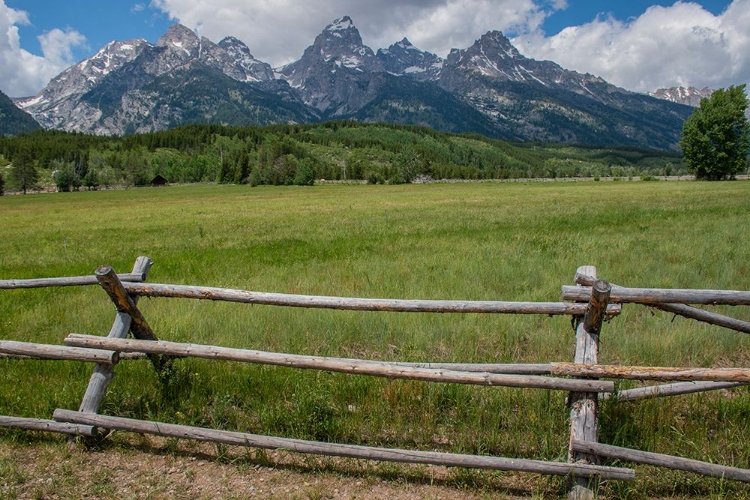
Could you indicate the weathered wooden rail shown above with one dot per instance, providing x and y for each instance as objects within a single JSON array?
[{"x": 595, "y": 300}]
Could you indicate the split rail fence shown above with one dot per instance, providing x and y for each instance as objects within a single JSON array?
[{"x": 589, "y": 302}]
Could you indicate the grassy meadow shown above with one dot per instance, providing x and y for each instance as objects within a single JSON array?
[{"x": 471, "y": 241}]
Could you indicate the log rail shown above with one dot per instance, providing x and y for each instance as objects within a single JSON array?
[{"x": 594, "y": 301}]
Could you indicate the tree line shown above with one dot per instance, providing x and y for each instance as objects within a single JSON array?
[{"x": 300, "y": 154}]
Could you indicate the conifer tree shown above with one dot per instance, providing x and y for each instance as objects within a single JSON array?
[{"x": 24, "y": 173}]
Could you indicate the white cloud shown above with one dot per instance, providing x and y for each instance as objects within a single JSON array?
[
  {"x": 24, "y": 73},
  {"x": 278, "y": 31},
  {"x": 682, "y": 44},
  {"x": 666, "y": 46},
  {"x": 57, "y": 46}
]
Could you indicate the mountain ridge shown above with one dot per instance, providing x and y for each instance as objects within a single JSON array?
[
  {"x": 14, "y": 121},
  {"x": 690, "y": 96},
  {"x": 489, "y": 88}
]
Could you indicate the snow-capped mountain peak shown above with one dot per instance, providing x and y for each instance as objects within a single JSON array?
[
  {"x": 341, "y": 24},
  {"x": 489, "y": 88},
  {"x": 179, "y": 37},
  {"x": 63, "y": 103},
  {"x": 59, "y": 97},
  {"x": 683, "y": 95},
  {"x": 338, "y": 47},
  {"x": 406, "y": 44},
  {"x": 403, "y": 58},
  {"x": 108, "y": 58},
  {"x": 252, "y": 69}
]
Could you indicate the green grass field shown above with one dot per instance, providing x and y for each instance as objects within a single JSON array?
[{"x": 470, "y": 241}]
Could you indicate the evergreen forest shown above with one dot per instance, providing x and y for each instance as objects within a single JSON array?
[{"x": 303, "y": 154}]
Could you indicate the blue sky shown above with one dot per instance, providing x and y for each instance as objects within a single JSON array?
[
  {"x": 581, "y": 12},
  {"x": 99, "y": 21},
  {"x": 637, "y": 44}
]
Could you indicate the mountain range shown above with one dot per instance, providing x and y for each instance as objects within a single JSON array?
[{"x": 488, "y": 88}]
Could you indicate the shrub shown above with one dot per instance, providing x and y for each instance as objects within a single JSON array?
[
  {"x": 305, "y": 175},
  {"x": 65, "y": 176}
]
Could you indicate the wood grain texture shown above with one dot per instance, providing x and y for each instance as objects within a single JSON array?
[
  {"x": 668, "y": 461},
  {"x": 356, "y": 304},
  {"x": 663, "y": 296},
  {"x": 665, "y": 390},
  {"x": 342, "y": 450},
  {"x": 58, "y": 352},
  {"x": 343, "y": 365}
]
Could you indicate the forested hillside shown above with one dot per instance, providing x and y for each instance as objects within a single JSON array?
[
  {"x": 13, "y": 120},
  {"x": 300, "y": 154}
]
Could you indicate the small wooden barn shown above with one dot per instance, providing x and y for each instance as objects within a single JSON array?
[{"x": 158, "y": 181}]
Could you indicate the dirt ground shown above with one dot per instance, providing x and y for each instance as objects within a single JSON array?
[{"x": 132, "y": 466}]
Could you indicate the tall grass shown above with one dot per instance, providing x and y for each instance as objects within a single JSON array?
[{"x": 484, "y": 241}]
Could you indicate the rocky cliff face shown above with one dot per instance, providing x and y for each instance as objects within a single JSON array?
[
  {"x": 335, "y": 73},
  {"x": 488, "y": 88},
  {"x": 57, "y": 105},
  {"x": 404, "y": 59},
  {"x": 494, "y": 58},
  {"x": 138, "y": 87},
  {"x": 539, "y": 100},
  {"x": 690, "y": 96}
]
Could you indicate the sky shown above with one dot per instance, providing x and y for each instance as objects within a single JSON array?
[{"x": 636, "y": 44}]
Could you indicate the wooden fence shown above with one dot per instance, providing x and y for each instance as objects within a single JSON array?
[{"x": 590, "y": 301}]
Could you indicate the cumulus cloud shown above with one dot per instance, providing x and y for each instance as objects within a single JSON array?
[
  {"x": 279, "y": 31},
  {"x": 666, "y": 46},
  {"x": 24, "y": 73},
  {"x": 682, "y": 44}
]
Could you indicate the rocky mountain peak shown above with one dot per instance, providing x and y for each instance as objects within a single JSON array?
[
  {"x": 78, "y": 79},
  {"x": 683, "y": 95},
  {"x": 341, "y": 24},
  {"x": 109, "y": 58},
  {"x": 489, "y": 87},
  {"x": 499, "y": 44},
  {"x": 250, "y": 68},
  {"x": 341, "y": 43},
  {"x": 234, "y": 46},
  {"x": 339, "y": 46},
  {"x": 181, "y": 38},
  {"x": 495, "y": 56},
  {"x": 403, "y": 58}
]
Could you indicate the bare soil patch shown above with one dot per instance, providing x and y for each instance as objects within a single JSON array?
[{"x": 131, "y": 466}]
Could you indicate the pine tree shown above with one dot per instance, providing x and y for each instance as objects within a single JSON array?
[{"x": 24, "y": 173}]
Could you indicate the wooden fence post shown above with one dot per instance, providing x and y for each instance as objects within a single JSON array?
[
  {"x": 126, "y": 304},
  {"x": 102, "y": 375},
  {"x": 584, "y": 405}
]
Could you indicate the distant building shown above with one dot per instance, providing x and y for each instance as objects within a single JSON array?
[{"x": 158, "y": 181}]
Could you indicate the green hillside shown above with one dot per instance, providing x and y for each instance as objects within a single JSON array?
[{"x": 297, "y": 154}]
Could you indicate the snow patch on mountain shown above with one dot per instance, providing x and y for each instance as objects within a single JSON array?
[{"x": 683, "y": 95}]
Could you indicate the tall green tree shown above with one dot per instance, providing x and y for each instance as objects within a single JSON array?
[
  {"x": 24, "y": 174},
  {"x": 65, "y": 175},
  {"x": 716, "y": 137}
]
